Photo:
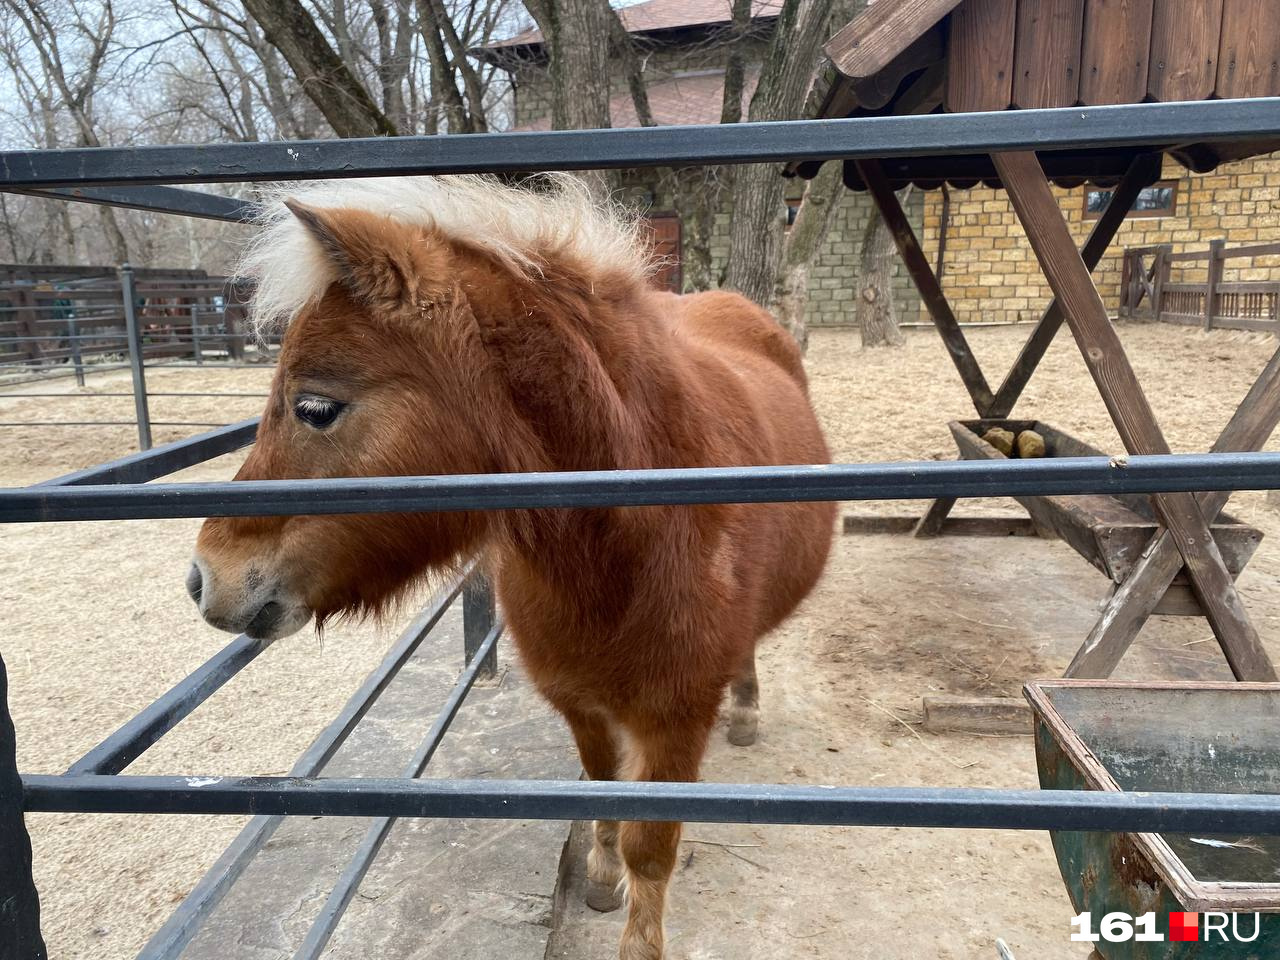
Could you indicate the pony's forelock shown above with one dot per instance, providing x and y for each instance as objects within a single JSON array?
[{"x": 556, "y": 215}]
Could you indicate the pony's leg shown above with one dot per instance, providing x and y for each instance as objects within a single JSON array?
[
  {"x": 744, "y": 711},
  {"x": 650, "y": 849},
  {"x": 598, "y": 749}
]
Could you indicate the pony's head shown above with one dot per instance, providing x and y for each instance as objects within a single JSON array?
[{"x": 383, "y": 371}]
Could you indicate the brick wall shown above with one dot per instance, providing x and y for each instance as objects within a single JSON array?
[{"x": 990, "y": 273}]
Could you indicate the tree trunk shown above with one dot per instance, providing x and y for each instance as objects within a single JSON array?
[
  {"x": 577, "y": 38},
  {"x": 877, "y": 317},
  {"x": 817, "y": 213},
  {"x": 327, "y": 80},
  {"x": 758, "y": 209}
]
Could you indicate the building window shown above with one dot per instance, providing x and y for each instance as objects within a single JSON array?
[
  {"x": 1158, "y": 200},
  {"x": 793, "y": 207}
]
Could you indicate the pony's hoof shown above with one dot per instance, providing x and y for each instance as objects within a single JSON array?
[
  {"x": 603, "y": 897},
  {"x": 742, "y": 734}
]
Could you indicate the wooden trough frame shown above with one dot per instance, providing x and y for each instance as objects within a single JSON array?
[{"x": 989, "y": 55}]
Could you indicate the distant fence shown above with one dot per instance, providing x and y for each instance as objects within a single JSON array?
[
  {"x": 1147, "y": 289},
  {"x": 58, "y": 317}
]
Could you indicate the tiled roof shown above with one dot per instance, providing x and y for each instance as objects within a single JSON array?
[
  {"x": 663, "y": 15},
  {"x": 681, "y": 100}
]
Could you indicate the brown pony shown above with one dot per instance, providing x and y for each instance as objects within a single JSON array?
[{"x": 458, "y": 326}]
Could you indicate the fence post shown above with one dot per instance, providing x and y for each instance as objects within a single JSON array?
[
  {"x": 1160, "y": 273},
  {"x": 19, "y": 902},
  {"x": 195, "y": 335},
  {"x": 479, "y": 612},
  {"x": 1212, "y": 280},
  {"x": 77, "y": 360},
  {"x": 133, "y": 331}
]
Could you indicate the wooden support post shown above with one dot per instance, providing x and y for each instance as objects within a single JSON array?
[
  {"x": 1144, "y": 171},
  {"x": 19, "y": 903},
  {"x": 1038, "y": 210},
  {"x": 935, "y": 300},
  {"x": 1135, "y": 600},
  {"x": 1212, "y": 280},
  {"x": 1160, "y": 276}
]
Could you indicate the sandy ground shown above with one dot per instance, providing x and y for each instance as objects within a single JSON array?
[{"x": 95, "y": 625}]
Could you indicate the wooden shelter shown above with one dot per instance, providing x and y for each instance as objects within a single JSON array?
[{"x": 924, "y": 56}]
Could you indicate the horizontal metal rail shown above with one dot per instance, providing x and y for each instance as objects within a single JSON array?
[
  {"x": 632, "y": 488},
  {"x": 183, "y": 923},
  {"x": 138, "y": 468},
  {"x": 859, "y": 138},
  {"x": 188, "y": 203},
  {"x": 952, "y": 807},
  {"x": 340, "y": 897},
  {"x": 159, "y": 717},
  {"x": 93, "y": 395},
  {"x": 108, "y": 423}
]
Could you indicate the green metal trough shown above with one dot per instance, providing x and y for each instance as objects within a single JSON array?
[{"x": 1178, "y": 737}]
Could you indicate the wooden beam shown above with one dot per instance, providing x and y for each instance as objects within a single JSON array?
[
  {"x": 1046, "y": 68},
  {"x": 1136, "y": 599},
  {"x": 872, "y": 39},
  {"x": 980, "y": 56},
  {"x": 1184, "y": 50},
  {"x": 935, "y": 300},
  {"x": 1006, "y": 715},
  {"x": 930, "y": 525},
  {"x": 954, "y": 527},
  {"x": 1050, "y": 240},
  {"x": 1144, "y": 171}
]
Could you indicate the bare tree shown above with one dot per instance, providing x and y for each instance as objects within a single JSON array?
[
  {"x": 89, "y": 29},
  {"x": 813, "y": 222},
  {"x": 877, "y": 314},
  {"x": 758, "y": 209}
]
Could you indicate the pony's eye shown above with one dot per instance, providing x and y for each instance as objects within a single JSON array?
[{"x": 317, "y": 411}]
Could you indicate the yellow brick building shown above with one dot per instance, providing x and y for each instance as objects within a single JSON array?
[{"x": 990, "y": 274}]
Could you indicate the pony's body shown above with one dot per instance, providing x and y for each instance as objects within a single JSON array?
[{"x": 417, "y": 349}]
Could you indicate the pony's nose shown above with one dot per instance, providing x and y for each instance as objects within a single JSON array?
[{"x": 195, "y": 582}]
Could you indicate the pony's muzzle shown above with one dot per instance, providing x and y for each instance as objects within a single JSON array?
[{"x": 256, "y": 606}]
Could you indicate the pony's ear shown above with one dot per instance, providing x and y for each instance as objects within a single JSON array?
[{"x": 380, "y": 261}]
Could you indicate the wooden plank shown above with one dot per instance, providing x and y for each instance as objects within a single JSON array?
[
  {"x": 953, "y": 527},
  {"x": 980, "y": 56},
  {"x": 1212, "y": 282},
  {"x": 875, "y": 91},
  {"x": 930, "y": 525},
  {"x": 1249, "y": 50},
  {"x": 1136, "y": 599},
  {"x": 1183, "y": 62},
  {"x": 1144, "y": 171},
  {"x": 1114, "y": 51},
  {"x": 922, "y": 275},
  {"x": 868, "y": 43},
  {"x": 1046, "y": 57},
  {"x": 976, "y": 714},
  {"x": 1050, "y": 240}
]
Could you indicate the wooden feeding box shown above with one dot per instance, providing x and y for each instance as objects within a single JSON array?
[
  {"x": 1110, "y": 532},
  {"x": 1165, "y": 737}
]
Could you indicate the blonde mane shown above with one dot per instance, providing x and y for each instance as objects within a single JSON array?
[{"x": 521, "y": 226}]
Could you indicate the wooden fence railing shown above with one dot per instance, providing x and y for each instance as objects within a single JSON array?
[{"x": 1147, "y": 290}]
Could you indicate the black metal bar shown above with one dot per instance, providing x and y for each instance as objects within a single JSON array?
[
  {"x": 163, "y": 460},
  {"x": 129, "y": 294},
  {"x": 170, "y": 939},
  {"x": 108, "y": 423},
  {"x": 77, "y": 360},
  {"x": 857, "y": 138},
  {"x": 632, "y": 488},
  {"x": 340, "y": 898},
  {"x": 187, "y": 203},
  {"x": 951, "y": 807},
  {"x": 479, "y": 614},
  {"x": 141, "y": 732},
  {"x": 19, "y": 902},
  {"x": 80, "y": 395}
]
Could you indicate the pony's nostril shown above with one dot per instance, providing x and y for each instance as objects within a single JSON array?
[{"x": 195, "y": 583}]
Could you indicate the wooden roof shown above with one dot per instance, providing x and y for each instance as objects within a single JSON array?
[{"x": 963, "y": 56}]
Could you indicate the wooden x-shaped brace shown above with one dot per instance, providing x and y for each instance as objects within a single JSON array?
[{"x": 1186, "y": 539}]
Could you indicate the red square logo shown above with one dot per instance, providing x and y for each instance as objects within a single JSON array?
[{"x": 1184, "y": 926}]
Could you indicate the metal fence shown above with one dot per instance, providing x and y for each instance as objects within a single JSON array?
[
  {"x": 143, "y": 320},
  {"x": 121, "y": 490}
]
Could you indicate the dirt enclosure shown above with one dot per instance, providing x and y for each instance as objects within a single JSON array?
[{"x": 95, "y": 624}]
